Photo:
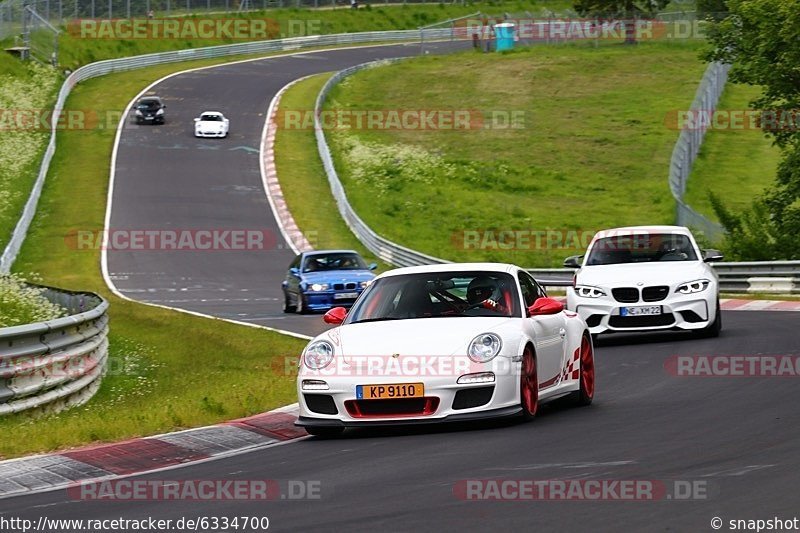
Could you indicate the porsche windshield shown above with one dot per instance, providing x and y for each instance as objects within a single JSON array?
[
  {"x": 641, "y": 248},
  {"x": 211, "y": 118},
  {"x": 437, "y": 294}
]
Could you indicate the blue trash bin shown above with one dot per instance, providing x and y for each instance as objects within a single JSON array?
[{"x": 504, "y": 33}]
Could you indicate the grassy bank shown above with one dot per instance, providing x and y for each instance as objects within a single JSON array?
[
  {"x": 302, "y": 176},
  {"x": 590, "y": 150},
  {"x": 27, "y": 92},
  {"x": 736, "y": 163},
  {"x": 158, "y": 381}
]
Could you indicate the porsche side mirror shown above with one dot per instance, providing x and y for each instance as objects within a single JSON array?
[
  {"x": 545, "y": 306},
  {"x": 197, "y": 119},
  {"x": 710, "y": 255},
  {"x": 373, "y": 266},
  {"x": 335, "y": 316},
  {"x": 573, "y": 261}
]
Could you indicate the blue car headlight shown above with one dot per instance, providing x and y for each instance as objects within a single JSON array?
[{"x": 316, "y": 287}]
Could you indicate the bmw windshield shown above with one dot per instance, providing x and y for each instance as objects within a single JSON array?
[
  {"x": 437, "y": 294},
  {"x": 641, "y": 248},
  {"x": 334, "y": 261}
]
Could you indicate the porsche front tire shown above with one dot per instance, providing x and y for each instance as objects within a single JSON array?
[
  {"x": 529, "y": 385},
  {"x": 585, "y": 394}
]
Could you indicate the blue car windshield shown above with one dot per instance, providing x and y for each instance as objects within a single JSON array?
[{"x": 334, "y": 261}]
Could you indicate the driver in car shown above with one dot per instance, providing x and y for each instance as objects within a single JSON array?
[{"x": 483, "y": 291}]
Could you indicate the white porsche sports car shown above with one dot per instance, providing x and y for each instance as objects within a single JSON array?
[
  {"x": 438, "y": 343},
  {"x": 211, "y": 124},
  {"x": 646, "y": 278}
]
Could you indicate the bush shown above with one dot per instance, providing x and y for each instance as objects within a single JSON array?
[
  {"x": 754, "y": 234},
  {"x": 23, "y": 304}
]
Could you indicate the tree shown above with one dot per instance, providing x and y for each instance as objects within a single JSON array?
[
  {"x": 626, "y": 10},
  {"x": 716, "y": 9},
  {"x": 761, "y": 39}
]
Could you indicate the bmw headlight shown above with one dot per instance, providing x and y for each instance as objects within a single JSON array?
[
  {"x": 587, "y": 291},
  {"x": 691, "y": 287},
  {"x": 484, "y": 347},
  {"x": 318, "y": 355},
  {"x": 364, "y": 284},
  {"x": 318, "y": 287}
]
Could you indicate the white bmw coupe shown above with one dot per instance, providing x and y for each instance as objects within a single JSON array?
[
  {"x": 438, "y": 343},
  {"x": 211, "y": 124},
  {"x": 646, "y": 278}
]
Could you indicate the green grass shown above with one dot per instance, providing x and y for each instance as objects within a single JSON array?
[
  {"x": 24, "y": 89},
  {"x": 290, "y": 22},
  {"x": 302, "y": 176},
  {"x": 734, "y": 164},
  {"x": 593, "y": 152},
  {"x": 158, "y": 381}
]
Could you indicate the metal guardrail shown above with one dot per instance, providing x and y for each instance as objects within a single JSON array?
[
  {"x": 55, "y": 364},
  {"x": 687, "y": 148},
  {"x": 386, "y": 250},
  {"x": 101, "y": 68},
  {"x": 781, "y": 277}
]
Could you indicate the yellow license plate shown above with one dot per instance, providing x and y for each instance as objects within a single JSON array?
[{"x": 390, "y": 391}]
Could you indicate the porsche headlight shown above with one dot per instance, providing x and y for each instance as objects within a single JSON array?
[
  {"x": 160, "y": 112},
  {"x": 138, "y": 113},
  {"x": 318, "y": 287},
  {"x": 318, "y": 355},
  {"x": 484, "y": 347},
  {"x": 691, "y": 287},
  {"x": 587, "y": 291}
]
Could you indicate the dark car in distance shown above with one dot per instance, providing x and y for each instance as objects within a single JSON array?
[{"x": 149, "y": 110}]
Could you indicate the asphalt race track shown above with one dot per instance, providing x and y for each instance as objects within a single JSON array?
[
  {"x": 737, "y": 437},
  {"x": 166, "y": 179}
]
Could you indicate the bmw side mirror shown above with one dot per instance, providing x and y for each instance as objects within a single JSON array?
[
  {"x": 573, "y": 261},
  {"x": 711, "y": 255},
  {"x": 545, "y": 306},
  {"x": 373, "y": 266},
  {"x": 335, "y": 316},
  {"x": 294, "y": 270}
]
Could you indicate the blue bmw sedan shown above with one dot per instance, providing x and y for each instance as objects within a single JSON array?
[{"x": 322, "y": 279}]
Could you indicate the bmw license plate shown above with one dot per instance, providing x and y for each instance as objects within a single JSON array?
[
  {"x": 345, "y": 296},
  {"x": 386, "y": 392},
  {"x": 640, "y": 311}
]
